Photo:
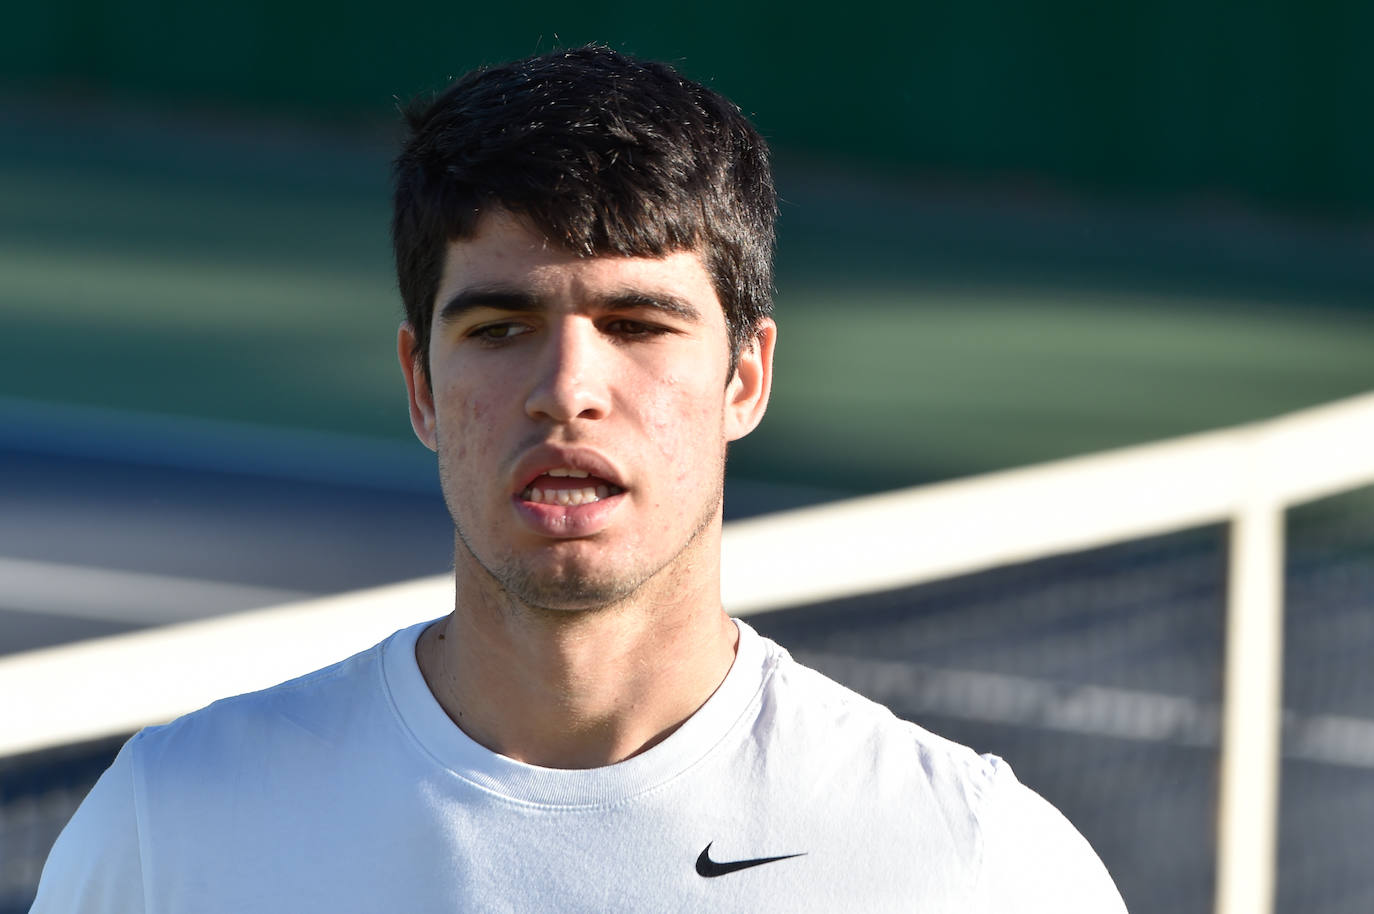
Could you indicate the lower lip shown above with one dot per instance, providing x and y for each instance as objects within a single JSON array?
[{"x": 567, "y": 521}]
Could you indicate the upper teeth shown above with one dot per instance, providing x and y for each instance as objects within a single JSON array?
[
  {"x": 584, "y": 496},
  {"x": 568, "y": 471}
]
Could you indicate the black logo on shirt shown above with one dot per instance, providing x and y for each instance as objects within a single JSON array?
[{"x": 710, "y": 868}]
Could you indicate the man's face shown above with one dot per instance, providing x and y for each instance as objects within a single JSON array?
[{"x": 580, "y": 409}]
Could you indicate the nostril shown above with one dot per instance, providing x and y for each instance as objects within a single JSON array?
[{"x": 566, "y": 401}]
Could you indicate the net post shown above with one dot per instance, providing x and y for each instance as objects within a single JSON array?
[{"x": 1247, "y": 827}]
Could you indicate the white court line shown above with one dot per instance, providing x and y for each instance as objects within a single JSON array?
[
  {"x": 1088, "y": 709},
  {"x": 108, "y": 595}
]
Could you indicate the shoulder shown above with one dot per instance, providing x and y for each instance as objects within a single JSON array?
[
  {"x": 182, "y": 789},
  {"x": 96, "y": 864},
  {"x": 838, "y": 719},
  {"x": 318, "y": 709},
  {"x": 1034, "y": 859},
  {"x": 1022, "y": 853},
  {"x": 901, "y": 777}
]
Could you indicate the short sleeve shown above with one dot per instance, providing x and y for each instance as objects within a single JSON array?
[
  {"x": 1034, "y": 860},
  {"x": 96, "y": 864}
]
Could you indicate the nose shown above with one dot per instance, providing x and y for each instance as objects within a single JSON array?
[{"x": 570, "y": 374}]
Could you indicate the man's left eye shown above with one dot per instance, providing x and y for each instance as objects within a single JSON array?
[{"x": 631, "y": 328}]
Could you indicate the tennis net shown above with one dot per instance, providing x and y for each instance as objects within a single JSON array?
[{"x": 1113, "y": 625}]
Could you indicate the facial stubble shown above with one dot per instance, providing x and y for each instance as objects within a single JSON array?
[{"x": 573, "y": 585}]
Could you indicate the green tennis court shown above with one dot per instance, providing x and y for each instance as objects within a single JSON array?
[{"x": 242, "y": 273}]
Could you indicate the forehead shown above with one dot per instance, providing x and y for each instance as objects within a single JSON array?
[{"x": 506, "y": 251}]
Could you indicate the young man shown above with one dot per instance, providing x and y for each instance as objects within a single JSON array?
[{"x": 584, "y": 246}]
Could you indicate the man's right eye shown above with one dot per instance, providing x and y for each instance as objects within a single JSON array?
[{"x": 499, "y": 332}]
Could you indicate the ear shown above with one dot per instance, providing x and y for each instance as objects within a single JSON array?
[
  {"x": 746, "y": 396},
  {"x": 417, "y": 387}
]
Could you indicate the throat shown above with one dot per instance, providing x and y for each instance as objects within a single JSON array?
[{"x": 593, "y": 697}]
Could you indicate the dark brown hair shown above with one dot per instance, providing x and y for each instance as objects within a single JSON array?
[{"x": 605, "y": 154}]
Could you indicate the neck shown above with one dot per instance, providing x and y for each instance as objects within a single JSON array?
[{"x": 578, "y": 688}]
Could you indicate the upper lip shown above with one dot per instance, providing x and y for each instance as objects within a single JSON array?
[{"x": 539, "y": 460}]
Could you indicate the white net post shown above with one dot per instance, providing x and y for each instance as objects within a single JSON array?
[{"x": 1249, "y": 790}]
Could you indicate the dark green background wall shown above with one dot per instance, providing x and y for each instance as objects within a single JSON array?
[{"x": 1261, "y": 101}]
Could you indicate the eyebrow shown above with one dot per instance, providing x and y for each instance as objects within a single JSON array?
[
  {"x": 497, "y": 298},
  {"x": 502, "y": 298},
  {"x": 668, "y": 304}
]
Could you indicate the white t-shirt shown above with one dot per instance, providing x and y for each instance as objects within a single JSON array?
[{"x": 350, "y": 790}]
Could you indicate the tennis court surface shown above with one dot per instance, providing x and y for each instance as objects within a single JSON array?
[{"x": 186, "y": 269}]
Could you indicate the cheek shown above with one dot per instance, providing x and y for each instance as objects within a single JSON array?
[
  {"x": 465, "y": 418},
  {"x": 686, "y": 429}
]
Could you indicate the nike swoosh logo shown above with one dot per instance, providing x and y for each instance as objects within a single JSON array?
[{"x": 710, "y": 868}]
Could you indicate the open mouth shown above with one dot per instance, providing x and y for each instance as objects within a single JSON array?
[{"x": 568, "y": 487}]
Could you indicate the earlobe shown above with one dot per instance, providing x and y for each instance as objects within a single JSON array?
[
  {"x": 746, "y": 397},
  {"x": 417, "y": 387}
]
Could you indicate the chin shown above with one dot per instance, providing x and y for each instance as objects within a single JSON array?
[
  {"x": 568, "y": 593},
  {"x": 568, "y": 582}
]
